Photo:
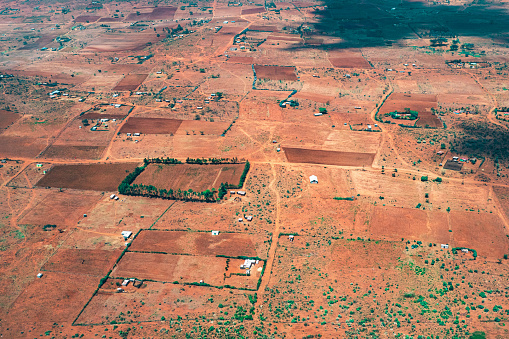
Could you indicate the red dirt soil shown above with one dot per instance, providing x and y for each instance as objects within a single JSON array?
[
  {"x": 7, "y": 118},
  {"x": 130, "y": 82},
  {"x": 14, "y": 147},
  {"x": 170, "y": 268},
  {"x": 82, "y": 261},
  {"x": 93, "y": 116},
  {"x": 421, "y": 103},
  {"x": 197, "y": 243},
  {"x": 96, "y": 177},
  {"x": 275, "y": 72},
  {"x": 348, "y": 60},
  {"x": 151, "y": 126},
  {"x": 263, "y": 28},
  {"x": 189, "y": 176},
  {"x": 252, "y": 10},
  {"x": 87, "y": 18},
  {"x": 482, "y": 232},
  {"x": 37, "y": 302},
  {"x": 240, "y": 60},
  {"x": 60, "y": 208},
  {"x": 302, "y": 155},
  {"x": 158, "y": 13},
  {"x": 73, "y": 152}
]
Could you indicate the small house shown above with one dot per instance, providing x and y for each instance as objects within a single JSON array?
[
  {"x": 240, "y": 219},
  {"x": 444, "y": 246},
  {"x": 125, "y": 282},
  {"x": 464, "y": 250},
  {"x": 137, "y": 134},
  {"x": 116, "y": 198},
  {"x": 112, "y": 196},
  {"x": 128, "y": 134},
  {"x": 291, "y": 237},
  {"x": 249, "y": 217},
  {"x": 241, "y": 192},
  {"x": 313, "y": 179},
  {"x": 318, "y": 114},
  {"x": 126, "y": 234},
  {"x": 215, "y": 232},
  {"x": 38, "y": 165},
  {"x": 39, "y": 275}
]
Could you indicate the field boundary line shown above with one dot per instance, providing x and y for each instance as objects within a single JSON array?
[{"x": 164, "y": 212}]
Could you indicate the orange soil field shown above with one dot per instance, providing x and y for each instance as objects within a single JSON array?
[
  {"x": 241, "y": 60},
  {"x": 198, "y": 243},
  {"x": 302, "y": 155},
  {"x": 60, "y": 208},
  {"x": 190, "y": 176},
  {"x": 158, "y": 13},
  {"x": 96, "y": 115},
  {"x": 348, "y": 60},
  {"x": 198, "y": 126},
  {"x": 393, "y": 222},
  {"x": 37, "y": 302},
  {"x": 96, "y": 177},
  {"x": 170, "y": 268},
  {"x": 110, "y": 19},
  {"x": 130, "y": 82},
  {"x": 284, "y": 37},
  {"x": 503, "y": 196},
  {"x": 73, "y": 152},
  {"x": 21, "y": 146},
  {"x": 119, "y": 42},
  {"x": 253, "y": 10},
  {"x": 86, "y": 18},
  {"x": 7, "y": 118},
  {"x": 482, "y": 232},
  {"x": 263, "y": 28},
  {"x": 82, "y": 261},
  {"x": 150, "y": 125},
  {"x": 44, "y": 40},
  {"x": 275, "y": 72},
  {"x": 421, "y": 103},
  {"x": 158, "y": 299}
]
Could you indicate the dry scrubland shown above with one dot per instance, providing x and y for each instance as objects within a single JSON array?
[{"x": 400, "y": 110}]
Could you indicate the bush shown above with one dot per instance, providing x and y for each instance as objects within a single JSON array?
[{"x": 424, "y": 178}]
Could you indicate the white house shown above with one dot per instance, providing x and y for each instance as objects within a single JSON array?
[
  {"x": 126, "y": 234},
  {"x": 313, "y": 179}
]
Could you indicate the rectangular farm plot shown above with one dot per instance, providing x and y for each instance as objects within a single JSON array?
[
  {"x": 73, "y": 152},
  {"x": 7, "y": 118},
  {"x": 60, "y": 208},
  {"x": 190, "y": 176},
  {"x": 215, "y": 271},
  {"x": 130, "y": 82},
  {"x": 82, "y": 261},
  {"x": 96, "y": 177},
  {"x": 151, "y": 125},
  {"x": 276, "y": 72},
  {"x": 158, "y": 300},
  {"x": 310, "y": 156},
  {"x": 348, "y": 60},
  {"x": 422, "y": 103},
  {"x": 200, "y": 243},
  {"x": 69, "y": 291},
  {"x": 483, "y": 232}
]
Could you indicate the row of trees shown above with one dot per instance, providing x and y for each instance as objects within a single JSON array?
[
  {"x": 147, "y": 161},
  {"x": 152, "y": 191},
  {"x": 198, "y": 161},
  {"x": 127, "y": 187},
  {"x": 215, "y": 161}
]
